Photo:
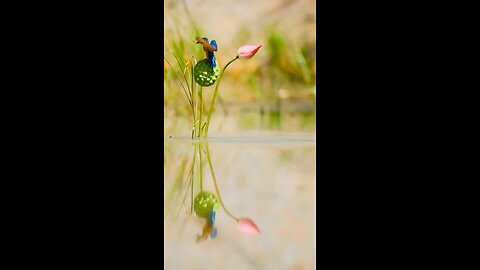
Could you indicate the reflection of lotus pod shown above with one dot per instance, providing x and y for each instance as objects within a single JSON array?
[
  {"x": 204, "y": 74},
  {"x": 204, "y": 204}
]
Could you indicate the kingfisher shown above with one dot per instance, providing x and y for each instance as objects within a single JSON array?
[
  {"x": 209, "y": 49},
  {"x": 213, "y": 234},
  {"x": 209, "y": 229}
]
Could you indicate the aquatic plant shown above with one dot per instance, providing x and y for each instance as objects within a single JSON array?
[
  {"x": 285, "y": 74},
  {"x": 248, "y": 51},
  {"x": 207, "y": 204},
  {"x": 244, "y": 224},
  {"x": 204, "y": 73},
  {"x": 244, "y": 52},
  {"x": 192, "y": 90}
]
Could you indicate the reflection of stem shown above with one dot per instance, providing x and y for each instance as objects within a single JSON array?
[
  {"x": 201, "y": 171},
  {"x": 192, "y": 176},
  {"x": 210, "y": 111},
  {"x": 193, "y": 163},
  {"x": 216, "y": 187},
  {"x": 190, "y": 179},
  {"x": 191, "y": 201}
]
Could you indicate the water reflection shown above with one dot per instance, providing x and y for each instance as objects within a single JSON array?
[
  {"x": 205, "y": 204},
  {"x": 270, "y": 179}
]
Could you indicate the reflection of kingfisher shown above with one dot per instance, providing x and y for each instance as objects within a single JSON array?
[
  {"x": 209, "y": 229},
  {"x": 209, "y": 49}
]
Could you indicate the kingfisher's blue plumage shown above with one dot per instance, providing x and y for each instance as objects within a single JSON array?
[
  {"x": 214, "y": 233},
  {"x": 211, "y": 221},
  {"x": 212, "y": 217},
  {"x": 214, "y": 45},
  {"x": 209, "y": 49}
]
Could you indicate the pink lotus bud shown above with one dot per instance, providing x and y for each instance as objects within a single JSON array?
[
  {"x": 246, "y": 225},
  {"x": 248, "y": 51}
]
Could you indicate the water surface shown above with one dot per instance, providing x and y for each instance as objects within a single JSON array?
[{"x": 269, "y": 178}]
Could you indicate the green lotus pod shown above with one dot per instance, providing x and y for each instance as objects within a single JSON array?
[
  {"x": 204, "y": 204},
  {"x": 204, "y": 74}
]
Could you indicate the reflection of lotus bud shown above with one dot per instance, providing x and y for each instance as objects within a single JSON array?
[
  {"x": 247, "y": 225},
  {"x": 204, "y": 204}
]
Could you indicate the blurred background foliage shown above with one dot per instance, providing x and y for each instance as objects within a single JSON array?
[{"x": 279, "y": 79}]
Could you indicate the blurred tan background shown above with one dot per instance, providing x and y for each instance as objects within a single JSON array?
[
  {"x": 271, "y": 181},
  {"x": 233, "y": 23}
]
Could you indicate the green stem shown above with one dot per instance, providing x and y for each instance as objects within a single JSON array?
[
  {"x": 197, "y": 107},
  {"x": 201, "y": 113},
  {"x": 194, "y": 102},
  {"x": 216, "y": 186},
  {"x": 212, "y": 104},
  {"x": 193, "y": 106},
  {"x": 222, "y": 103}
]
